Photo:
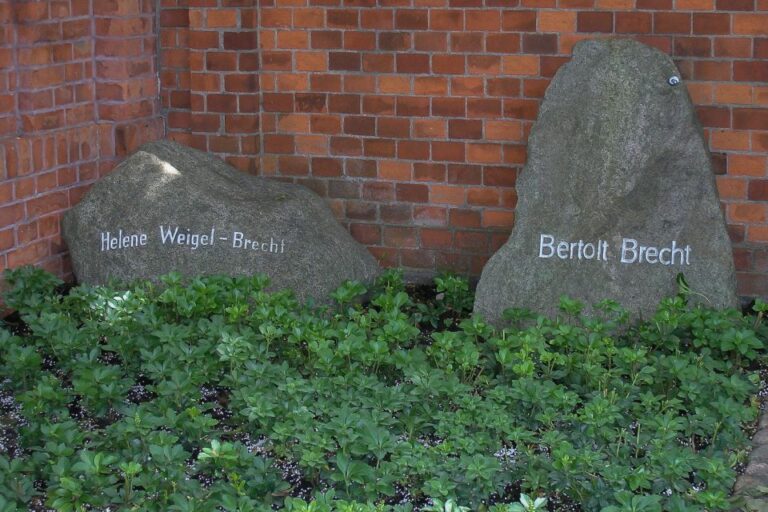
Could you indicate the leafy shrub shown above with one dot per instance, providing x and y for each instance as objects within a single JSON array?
[{"x": 216, "y": 395}]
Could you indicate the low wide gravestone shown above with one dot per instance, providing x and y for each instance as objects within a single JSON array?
[
  {"x": 169, "y": 208},
  {"x": 617, "y": 196}
]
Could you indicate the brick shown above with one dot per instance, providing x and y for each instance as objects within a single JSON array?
[
  {"x": 503, "y": 87},
  {"x": 692, "y": 47},
  {"x": 729, "y": 140},
  {"x": 449, "y": 107},
  {"x": 498, "y": 219},
  {"x": 412, "y": 193},
  {"x": 382, "y": 105},
  {"x": 412, "y": 106},
  {"x": 733, "y": 93},
  {"x": 446, "y": 19},
  {"x": 503, "y": 43},
  {"x": 746, "y": 165},
  {"x": 715, "y": 117},
  {"x": 429, "y": 129},
  {"x": 524, "y": 65},
  {"x": 346, "y": 146},
  {"x": 483, "y": 19},
  {"x": 557, "y": 21},
  {"x": 595, "y": 21},
  {"x": 463, "y": 42},
  {"x": 711, "y": 23},
  {"x": 733, "y": 47},
  {"x": 448, "y": 151},
  {"x": 308, "y": 18},
  {"x": 378, "y": 191},
  {"x": 446, "y": 194},
  {"x": 521, "y": 108},
  {"x": 344, "y": 61},
  {"x": 747, "y": 212},
  {"x": 503, "y": 130},
  {"x": 654, "y": 4},
  {"x": 326, "y": 39},
  {"x": 413, "y": 150},
  {"x": 499, "y": 176},
  {"x": 311, "y": 61},
  {"x": 325, "y": 83},
  {"x": 278, "y": 102},
  {"x": 465, "y": 129},
  {"x": 472, "y": 242},
  {"x": 549, "y": 64},
  {"x": 758, "y": 190},
  {"x": 483, "y": 197},
  {"x": 448, "y": 64},
  {"x": 634, "y": 22},
  {"x": 400, "y": 237},
  {"x": 373, "y": 63},
  {"x": 464, "y": 218},
  {"x": 750, "y": 24},
  {"x": 437, "y": 86},
  {"x": 412, "y": 19},
  {"x": 519, "y": 21},
  {"x": 377, "y": 19},
  {"x": 325, "y": 167},
  {"x": 735, "y": 5},
  {"x": 484, "y": 107},
  {"x": 429, "y": 172},
  {"x": 435, "y": 238},
  {"x": 712, "y": 70},
  {"x": 311, "y": 102},
  {"x": 276, "y": 18},
  {"x": 344, "y": 103},
  {"x": 467, "y": 86},
  {"x": 672, "y": 23},
  {"x": 394, "y": 41},
  {"x": 750, "y": 71},
  {"x": 484, "y": 153},
  {"x": 245, "y": 41},
  {"x": 540, "y": 43},
  {"x": 392, "y": 127},
  {"x": 366, "y": 234},
  {"x": 360, "y": 83},
  {"x": 750, "y": 118},
  {"x": 699, "y": 5},
  {"x": 430, "y": 41},
  {"x": 360, "y": 125},
  {"x": 412, "y": 63}
]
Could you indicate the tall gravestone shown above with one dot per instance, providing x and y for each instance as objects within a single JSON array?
[
  {"x": 617, "y": 196},
  {"x": 170, "y": 208}
]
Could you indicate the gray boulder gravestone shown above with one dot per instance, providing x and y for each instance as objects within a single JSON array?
[
  {"x": 617, "y": 196},
  {"x": 169, "y": 208}
]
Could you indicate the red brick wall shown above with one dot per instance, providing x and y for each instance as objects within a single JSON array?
[
  {"x": 409, "y": 116},
  {"x": 209, "y": 75},
  {"x": 77, "y": 91}
]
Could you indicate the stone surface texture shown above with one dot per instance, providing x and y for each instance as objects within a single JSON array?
[
  {"x": 616, "y": 152},
  {"x": 753, "y": 483},
  {"x": 298, "y": 242}
]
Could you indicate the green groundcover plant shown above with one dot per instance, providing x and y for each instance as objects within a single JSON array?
[{"x": 213, "y": 394}]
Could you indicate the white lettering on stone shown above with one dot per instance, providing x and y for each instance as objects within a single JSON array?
[
  {"x": 177, "y": 236},
  {"x": 240, "y": 241},
  {"x": 121, "y": 240},
  {"x": 565, "y": 250},
  {"x": 631, "y": 251},
  {"x": 549, "y": 244},
  {"x": 634, "y": 252}
]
